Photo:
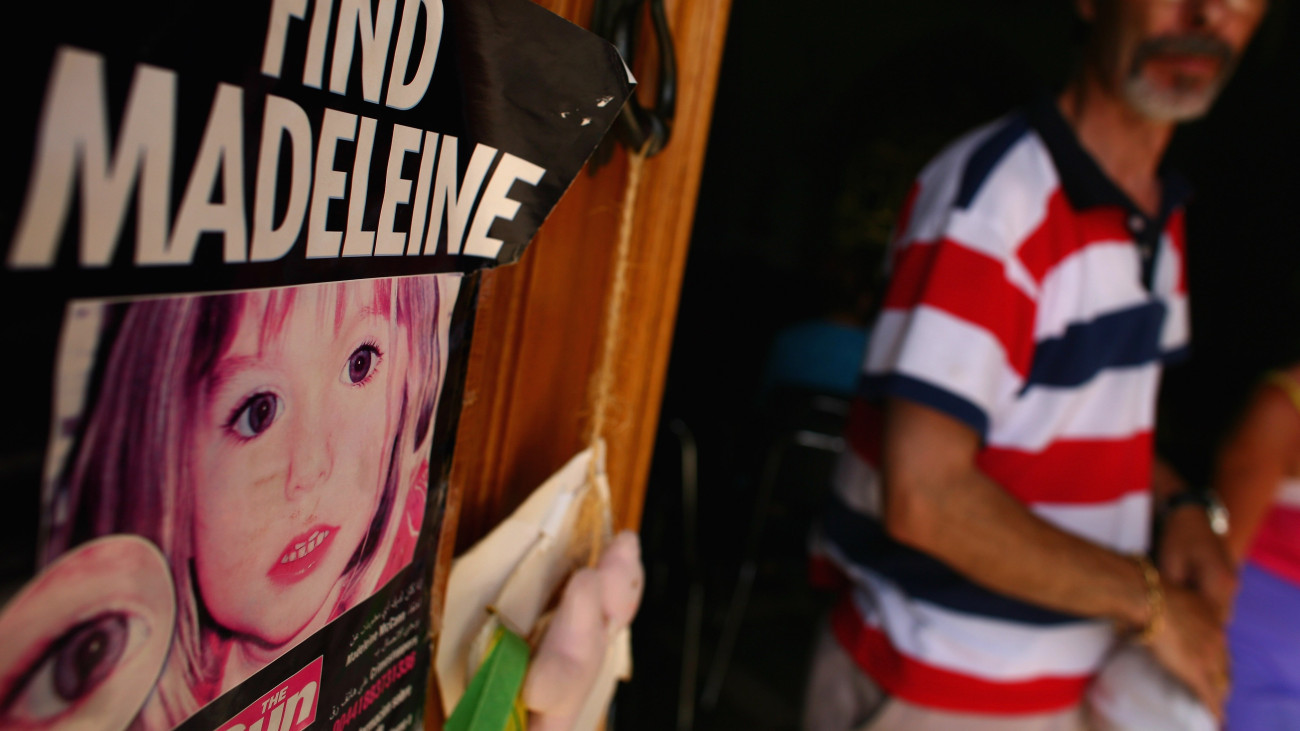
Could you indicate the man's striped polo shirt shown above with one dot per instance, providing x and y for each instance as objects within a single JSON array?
[{"x": 1030, "y": 299}]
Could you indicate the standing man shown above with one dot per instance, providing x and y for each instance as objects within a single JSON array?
[{"x": 994, "y": 512}]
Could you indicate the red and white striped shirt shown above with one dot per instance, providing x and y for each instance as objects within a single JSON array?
[{"x": 1032, "y": 300}]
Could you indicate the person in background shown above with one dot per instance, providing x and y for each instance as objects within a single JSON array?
[
  {"x": 822, "y": 353},
  {"x": 992, "y": 518},
  {"x": 1258, "y": 479}
]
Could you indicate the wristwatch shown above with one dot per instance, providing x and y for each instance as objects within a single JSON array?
[{"x": 1215, "y": 511}]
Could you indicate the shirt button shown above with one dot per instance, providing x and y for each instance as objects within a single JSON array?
[{"x": 1136, "y": 224}]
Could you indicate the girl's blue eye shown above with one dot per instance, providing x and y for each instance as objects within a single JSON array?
[
  {"x": 361, "y": 364},
  {"x": 256, "y": 415}
]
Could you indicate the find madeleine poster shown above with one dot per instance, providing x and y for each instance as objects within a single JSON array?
[{"x": 239, "y": 283}]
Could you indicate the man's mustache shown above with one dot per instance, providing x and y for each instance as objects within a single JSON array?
[{"x": 1183, "y": 45}]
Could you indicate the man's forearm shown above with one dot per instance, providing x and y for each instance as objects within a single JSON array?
[
  {"x": 983, "y": 533},
  {"x": 938, "y": 502}
]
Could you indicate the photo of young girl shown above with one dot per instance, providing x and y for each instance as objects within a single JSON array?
[{"x": 273, "y": 444}]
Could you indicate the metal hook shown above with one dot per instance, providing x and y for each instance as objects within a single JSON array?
[{"x": 642, "y": 129}]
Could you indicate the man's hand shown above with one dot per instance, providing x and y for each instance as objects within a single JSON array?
[
  {"x": 1193, "y": 557},
  {"x": 1192, "y": 646}
]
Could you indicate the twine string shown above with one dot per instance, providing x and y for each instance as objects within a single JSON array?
[{"x": 591, "y": 518}]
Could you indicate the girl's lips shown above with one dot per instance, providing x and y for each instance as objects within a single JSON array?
[{"x": 302, "y": 554}]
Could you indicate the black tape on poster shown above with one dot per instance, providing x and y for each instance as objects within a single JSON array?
[{"x": 241, "y": 271}]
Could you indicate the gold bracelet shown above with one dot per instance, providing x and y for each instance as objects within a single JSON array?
[{"x": 1155, "y": 600}]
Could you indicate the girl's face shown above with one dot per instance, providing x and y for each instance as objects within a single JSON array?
[{"x": 290, "y": 454}]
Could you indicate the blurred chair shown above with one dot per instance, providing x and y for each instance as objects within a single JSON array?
[
  {"x": 795, "y": 448},
  {"x": 695, "y": 592},
  {"x": 667, "y": 630}
]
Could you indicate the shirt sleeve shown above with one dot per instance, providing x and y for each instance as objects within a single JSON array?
[{"x": 956, "y": 329}]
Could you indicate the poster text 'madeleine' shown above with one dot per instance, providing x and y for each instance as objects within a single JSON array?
[{"x": 297, "y": 180}]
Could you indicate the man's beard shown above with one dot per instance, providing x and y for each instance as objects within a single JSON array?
[{"x": 1186, "y": 99}]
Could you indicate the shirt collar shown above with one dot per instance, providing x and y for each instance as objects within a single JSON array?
[{"x": 1082, "y": 179}]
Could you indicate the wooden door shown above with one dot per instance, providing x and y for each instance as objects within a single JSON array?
[
  {"x": 538, "y": 328},
  {"x": 539, "y": 323}
]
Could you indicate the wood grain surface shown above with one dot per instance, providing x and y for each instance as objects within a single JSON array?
[{"x": 539, "y": 324}]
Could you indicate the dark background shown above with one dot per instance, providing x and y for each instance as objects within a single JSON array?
[{"x": 824, "y": 114}]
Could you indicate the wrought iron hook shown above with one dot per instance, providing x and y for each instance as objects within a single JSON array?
[{"x": 638, "y": 127}]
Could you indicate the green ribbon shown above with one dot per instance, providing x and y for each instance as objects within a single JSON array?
[{"x": 491, "y": 702}]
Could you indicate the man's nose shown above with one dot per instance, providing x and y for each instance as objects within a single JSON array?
[{"x": 1209, "y": 13}]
